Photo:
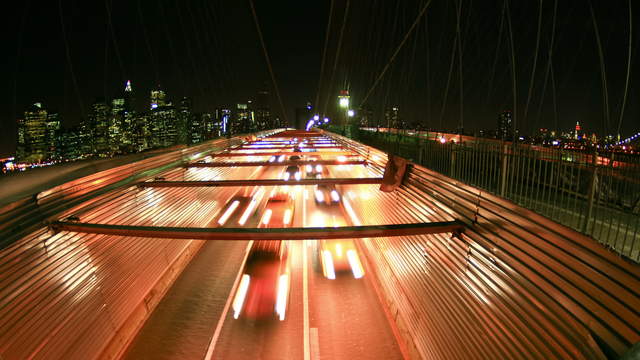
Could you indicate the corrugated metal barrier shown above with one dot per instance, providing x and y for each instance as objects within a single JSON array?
[
  {"x": 593, "y": 191},
  {"x": 83, "y": 296},
  {"x": 514, "y": 285}
]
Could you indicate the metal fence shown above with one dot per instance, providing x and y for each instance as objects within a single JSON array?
[
  {"x": 597, "y": 194},
  {"x": 513, "y": 285}
]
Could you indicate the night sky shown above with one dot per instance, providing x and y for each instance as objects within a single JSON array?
[{"x": 210, "y": 51}]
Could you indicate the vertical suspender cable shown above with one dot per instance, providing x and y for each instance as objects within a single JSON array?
[
  {"x": 266, "y": 56},
  {"x": 603, "y": 73},
  {"x": 68, "y": 54},
  {"x": 386, "y": 67},
  {"x": 626, "y": 84},
  {"x": 324, "y": 55},
  {"x": 535, "y": 63},
  {"x": 513, "y": 74},
  {"x": 335, "y": 62}
]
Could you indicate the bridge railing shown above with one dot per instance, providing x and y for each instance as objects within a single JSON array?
[
  {"x": 514, "y": 284},
  {"x": 595, "y": 193},
  {"x": 76, "y": 295}
]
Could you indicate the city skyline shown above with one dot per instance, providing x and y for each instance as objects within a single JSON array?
[{"x": 211, "y": 53}]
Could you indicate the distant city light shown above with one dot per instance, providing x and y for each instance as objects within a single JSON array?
[
  {"x": 309, "y": 125},
  {"x": 316, "y": 117},
  {"x": 326, "y": 120},
  {"x": 351, "y": 113}
]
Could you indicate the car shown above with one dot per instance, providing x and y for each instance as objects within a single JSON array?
[
  {"x": 339, "y": 256},
  {"x": 292, "y": 173},
  {"x": 263, "y": 291},
  {"x": 278, "y": 212},
  {"x": 276, "y": 158},
  {"x": 326, "y": 194},
  {"x": 312, "y": 170},
  {"x": 239, "y": 209}
]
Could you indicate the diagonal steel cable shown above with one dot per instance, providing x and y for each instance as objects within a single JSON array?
[
  {"x": 409, "y": 32},
  {"x": 324, "y": 55},
  {"x": 266, "y": 56}
]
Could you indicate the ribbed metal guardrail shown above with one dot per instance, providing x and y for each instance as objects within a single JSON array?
[
  {"x": 514, "y": 285},
  {"x": 593, "y": 191},
  {"x": 82, "y": 296}
]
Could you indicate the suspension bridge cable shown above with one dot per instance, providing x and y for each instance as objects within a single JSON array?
[
  {"x": 18, "y": 55},
  {"x": 324, "y": 55},
  {"x": 513, "y": 73},
  {"x": 107, "y": 5},
  {"x": 550, "y": 56},
  {"x": 626, "y": 84},
  {"x": 154, "y": 63},
  {"x": 68, "y": 55},
  {"x": 335, "y": 63},
  {"x": 266, "y": 56},
  {"x": 535, "y": 64},
  {"x": 603, "y": 73},
  {"x": 384, "y": 70},
  {"x": 171, "y": 48},
  {"x": 459, "y": 35}
]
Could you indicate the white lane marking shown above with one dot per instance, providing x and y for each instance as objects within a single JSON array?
[
  {"x": 305, "y": 285},
  {"x": 216, "y": 334},
  {"x": 315, "y": 344},
  {"x": 305, "y": 302}
]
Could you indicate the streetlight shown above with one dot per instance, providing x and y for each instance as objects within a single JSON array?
[{"x": 350, "y": 113}]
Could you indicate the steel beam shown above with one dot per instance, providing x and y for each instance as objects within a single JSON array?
[
  {"x": 290, "y": 153},
  {"x": 275, "y": 163},
  {"x": 344, "y": 232},
  {"x": 260, "y": 148},
  {"x": 261, "y": 182}
]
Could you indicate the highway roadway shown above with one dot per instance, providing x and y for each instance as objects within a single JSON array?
[{"x": 341, "y": 318}]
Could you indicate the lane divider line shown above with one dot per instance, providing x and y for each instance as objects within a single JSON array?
[
  {"x": 227, "y": 305},
  {"x": 305, "y": 302},
  {"x": 315, "y": 344}
]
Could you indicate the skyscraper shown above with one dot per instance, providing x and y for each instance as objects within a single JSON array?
[
  {"x": 51, "y": 136},
  {"x": 505, "y": 125},
  {"x": 392, "y": 118},
  {"x": 157, "y": 98},
  {"x": 116, "y": 122},
  {"x": 32, "y": 135},
  {"x": 183, "y": 123},
  {"x": 163, "y": 129},
  {"x": 263, "y": 111},
  {"x": 243, "y": 121},
  {"x": 99, "y": 122}
]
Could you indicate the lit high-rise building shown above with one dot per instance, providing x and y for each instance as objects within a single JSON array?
[
  {"x": 116, "y": 122},
  {"x": 51, "y": 136},
  {"x": 163, "y": 129},
  {"x": 32, "y": 135},
  {"x": 183, "y": 123},
  {"x": 366, "y": 117},
  {"x": 158, "y": 99},
  {"x": 243, "y": 121},
  {"x": 505, "y": 125},
  {"x": 263, "y": 111},
  {"x": 392, "y": 118},
  {"x": 99, "y": 119}
]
